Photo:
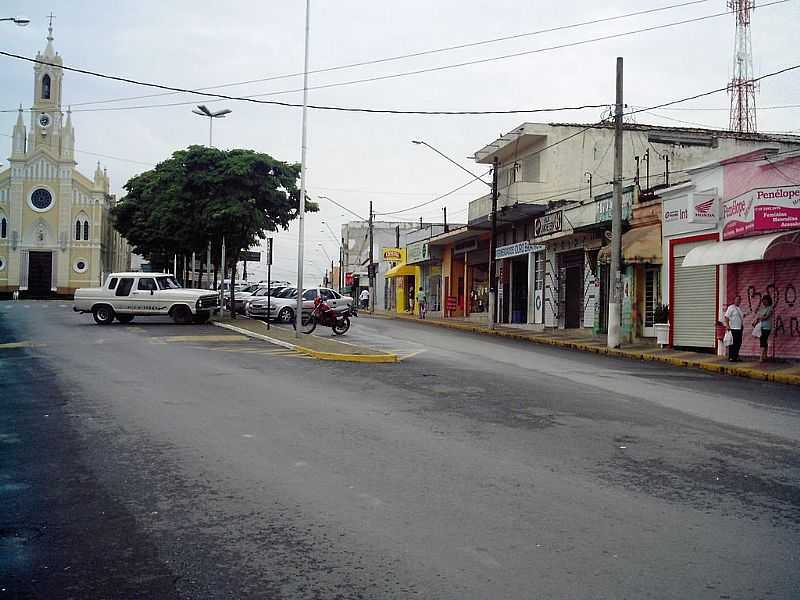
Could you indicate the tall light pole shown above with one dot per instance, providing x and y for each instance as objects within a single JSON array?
[
  {"x": 19, "y": 21},
  {"x": 298, "y": 316},
  {"x": 203, "y": 111}
]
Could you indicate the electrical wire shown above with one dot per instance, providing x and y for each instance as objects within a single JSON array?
[
  {"x": 255, "y": 98},
  {"x": 470, "y": 182},
  {"x": 413, "y": 54}
]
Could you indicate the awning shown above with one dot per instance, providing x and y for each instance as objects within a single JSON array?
[
  {"x": 401, "y": 271},
  {"x": 763, "y": 247},
  {"x": 639, "y": 245}
]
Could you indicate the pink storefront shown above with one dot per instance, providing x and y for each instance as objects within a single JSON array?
[{"x": 760, "y": 245}]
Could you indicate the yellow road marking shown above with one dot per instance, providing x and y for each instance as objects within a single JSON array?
[
  {"x": 202, "y": 338},
  {"x": 405, "y": 356},
  {"x": 24, "y": 344}
]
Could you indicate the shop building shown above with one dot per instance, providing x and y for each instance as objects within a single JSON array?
[
  {"x": 734, "y": 230},
  {"x": 464, "y": 261}
]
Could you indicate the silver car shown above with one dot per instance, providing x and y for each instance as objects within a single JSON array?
[{"x": 282, "y": 307}]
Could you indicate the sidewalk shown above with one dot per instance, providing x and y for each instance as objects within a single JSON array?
[
  {"x": 788, "y": 373},
  {"x": 311, "y": 345}
]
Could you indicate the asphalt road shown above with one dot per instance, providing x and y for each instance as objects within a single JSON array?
[{"x": 158, "y": 461}]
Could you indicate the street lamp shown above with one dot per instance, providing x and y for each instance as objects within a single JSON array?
[
  {"x": 203, "y": 111},
  {"x": 20, "y": 21},
  {"x": 493, "y": 218}
]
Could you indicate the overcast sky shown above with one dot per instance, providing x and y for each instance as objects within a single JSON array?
[{"x": 355, "y": 158}]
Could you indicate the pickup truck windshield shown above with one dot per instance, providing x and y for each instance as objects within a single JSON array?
[{"x": 168, "y": 283}]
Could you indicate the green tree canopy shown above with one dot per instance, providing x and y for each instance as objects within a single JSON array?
[{"x": 200, "y": 195}]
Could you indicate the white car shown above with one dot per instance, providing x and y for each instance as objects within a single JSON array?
[
  {"x": 284, "y": 305},
  {"x": 126, "y": 295}
]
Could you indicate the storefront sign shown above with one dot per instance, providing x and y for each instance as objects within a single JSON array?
[
  {"x": 606, "y": 203},
  {"x": 760, "y": 210},
  {"x": 348, "y": 279},
  {"x": 417, "y": 252},
  {"x": 702, "y": 207},
  {"x": 675, "y": 219},
  {"x": 517, "y": 249},
  {"x": 393, "y": 254},
  {"x": 549, "y": 223},
  {"x": 452, "y": 303}
]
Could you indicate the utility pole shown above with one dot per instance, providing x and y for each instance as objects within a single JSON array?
[
  {"x": 493, "y": 248},
  {"x": 444, "y": 212},
  {"x": 298, "y": 317},
  {"x": 370, "y": 268},
  {"x": 647, "y": 170},
  {"x": 615, "y": 298},
  {"x": 208, "y": 262},
  {"x": 666, "y": 169},
  {"x": 589, "y": 178}
]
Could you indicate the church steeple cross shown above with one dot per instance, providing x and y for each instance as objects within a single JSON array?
[{"x": 50, "y": 18}]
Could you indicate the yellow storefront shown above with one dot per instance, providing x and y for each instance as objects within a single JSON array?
[{"x": 407, "y": 279}]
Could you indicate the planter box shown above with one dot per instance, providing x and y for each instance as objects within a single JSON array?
[{"x": 662, "y": 333}]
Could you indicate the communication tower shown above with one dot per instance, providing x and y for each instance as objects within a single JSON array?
[{"x": 742, "y": 88}]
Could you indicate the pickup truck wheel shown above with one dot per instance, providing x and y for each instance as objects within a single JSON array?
[
  {"x": 182, "y": 315},
  {"x": 201, "y": 317},
  {"x": 286, "y": 315},
  {"x": 124, "y": 319},
  {"x": 103, "y": 315}
]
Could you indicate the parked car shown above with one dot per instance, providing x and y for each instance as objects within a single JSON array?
[
  {"x": 126, "y": 295},
  {"x": 241, "y": 295},
  {"x": 283, "y": 306}
]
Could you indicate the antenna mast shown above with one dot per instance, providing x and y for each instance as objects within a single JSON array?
[{"x": 742, "y": 88}]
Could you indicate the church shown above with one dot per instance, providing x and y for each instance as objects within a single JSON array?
[{"x": 55, "y": 228}]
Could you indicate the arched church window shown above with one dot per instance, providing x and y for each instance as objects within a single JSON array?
[
  {"x": 78, "y": 229},
  {"x": 46, "y": 87},
  {"x": 86, "y": 230},
  {"x": 3, "y": 227}
]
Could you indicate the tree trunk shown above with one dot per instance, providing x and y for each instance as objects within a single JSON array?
[{"x": 233, "y": 285}]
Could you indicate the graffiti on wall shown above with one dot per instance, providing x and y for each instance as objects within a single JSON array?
[{"x": 781, "y": 280}]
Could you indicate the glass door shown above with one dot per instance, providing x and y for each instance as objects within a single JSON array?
[{"x": 652, "y": 293}]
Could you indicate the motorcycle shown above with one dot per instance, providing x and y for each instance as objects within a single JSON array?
[{"x": 322, "y": 314}]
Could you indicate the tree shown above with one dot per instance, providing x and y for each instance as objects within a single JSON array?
[{"x": 200, "y": 195}]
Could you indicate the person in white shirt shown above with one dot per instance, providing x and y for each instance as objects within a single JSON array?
[
  {"x": 734, "y": 321},
  {"x": 364, "y": 298}
]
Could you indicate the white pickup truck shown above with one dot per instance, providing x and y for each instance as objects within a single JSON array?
[{"x": 126, "y": 295}]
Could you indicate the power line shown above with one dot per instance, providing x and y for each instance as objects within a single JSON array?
[
  {"x": 255, "y": 98},
  {"x": 413, "y": 54},
  {"x": 420, "y": 205},
  {"x": 137, "y": 162},
  {"x": 727, "y": 109}
]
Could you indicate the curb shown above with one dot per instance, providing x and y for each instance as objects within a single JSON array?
[
  {"x": 334, "y": 356},
  {"x": 745, "y": 372}
]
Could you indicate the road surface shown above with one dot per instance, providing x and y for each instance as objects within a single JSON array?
[{"x": 162, "y": 461}]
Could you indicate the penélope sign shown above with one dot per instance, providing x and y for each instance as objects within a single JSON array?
[
  {"x": 761, "y": 210},
  {"x": 393, "y": 255}
]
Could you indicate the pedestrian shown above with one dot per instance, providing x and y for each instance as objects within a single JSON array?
[
  {"x": 763, "y": 321},
  {"x": 734, "y": 321},
  {"x": 422, "y": 302},
  {"x": 364, "y": 298}
]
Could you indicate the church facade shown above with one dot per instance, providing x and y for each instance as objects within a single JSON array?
[{"x": 55, "y": 228}]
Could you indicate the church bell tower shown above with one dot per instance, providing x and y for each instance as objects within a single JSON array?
[{"x": 46, "y": 116}]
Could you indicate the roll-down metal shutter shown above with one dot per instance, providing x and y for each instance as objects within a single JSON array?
[{"x": 695, "y": 303}]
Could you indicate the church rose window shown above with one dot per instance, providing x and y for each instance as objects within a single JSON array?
[{"x": 41, "y": 199}]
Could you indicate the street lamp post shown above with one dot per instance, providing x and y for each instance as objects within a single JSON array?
[
  {"x": 19, "y": 21},
  {"x": 203, "y": 111}
]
